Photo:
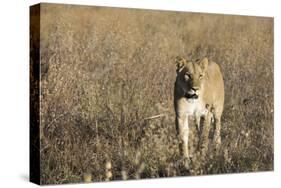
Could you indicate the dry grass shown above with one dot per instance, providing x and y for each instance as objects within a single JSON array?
[{"x": 105, "y": 71}]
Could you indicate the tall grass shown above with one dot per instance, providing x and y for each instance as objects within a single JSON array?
[{"x": 106, "y": 72}]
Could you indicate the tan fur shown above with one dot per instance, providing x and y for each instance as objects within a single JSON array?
[{"x": 198, "y": 92}]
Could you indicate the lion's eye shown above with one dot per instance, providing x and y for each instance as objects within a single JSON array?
[
  {"x": 187, "y": 76},
  {"x": 200, "y": 76}
]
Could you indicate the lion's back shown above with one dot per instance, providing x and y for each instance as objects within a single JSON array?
[{"x": 214, "y": 86}]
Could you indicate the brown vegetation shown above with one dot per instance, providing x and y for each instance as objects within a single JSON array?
[{"x": 105, "y": 74}]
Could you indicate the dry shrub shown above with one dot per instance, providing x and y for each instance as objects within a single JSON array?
[{"x": 105, "y": 72}]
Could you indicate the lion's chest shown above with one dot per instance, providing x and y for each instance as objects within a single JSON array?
[{"x": 193, "y": 107}]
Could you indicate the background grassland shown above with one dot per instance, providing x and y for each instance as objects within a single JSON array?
[{"x": 105, "y": 71}]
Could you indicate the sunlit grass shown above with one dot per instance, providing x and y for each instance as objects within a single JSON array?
[{"x": 106, "y": 72}]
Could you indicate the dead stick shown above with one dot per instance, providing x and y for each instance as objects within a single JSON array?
[{"x": 156, "y": 116}]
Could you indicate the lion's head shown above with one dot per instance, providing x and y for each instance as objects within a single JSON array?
[{"x": 190, "y": 76}]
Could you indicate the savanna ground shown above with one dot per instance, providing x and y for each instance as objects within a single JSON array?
[{"x": 106, "y": 72}]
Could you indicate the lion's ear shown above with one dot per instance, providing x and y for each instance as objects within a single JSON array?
[
  {"x": 180, "y": 62},
  {"x": 204, "y": 64}
]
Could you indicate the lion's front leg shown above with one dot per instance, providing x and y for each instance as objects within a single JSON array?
[
  {"x": 204, "y": 140},
  {"x": 197, "y": 123},
  {"x": 183, "y": 131}
]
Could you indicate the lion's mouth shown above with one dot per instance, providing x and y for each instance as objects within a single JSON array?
[{"x": 191, "y": 96}]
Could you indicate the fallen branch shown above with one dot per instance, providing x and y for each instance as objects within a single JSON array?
[{"x": 156, "y": 116}]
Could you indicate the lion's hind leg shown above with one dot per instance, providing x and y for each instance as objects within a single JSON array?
[{"x": 217, "y": 132}]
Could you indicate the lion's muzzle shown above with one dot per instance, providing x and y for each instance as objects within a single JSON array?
[
  {"x": 191, "y": 96},
  {"x": 192, "y": 93}
]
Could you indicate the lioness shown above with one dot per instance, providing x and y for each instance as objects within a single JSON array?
[{"x": 198, "y": 92}]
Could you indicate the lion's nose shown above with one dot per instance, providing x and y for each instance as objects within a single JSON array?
[{"x": 195, "y": 88}]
